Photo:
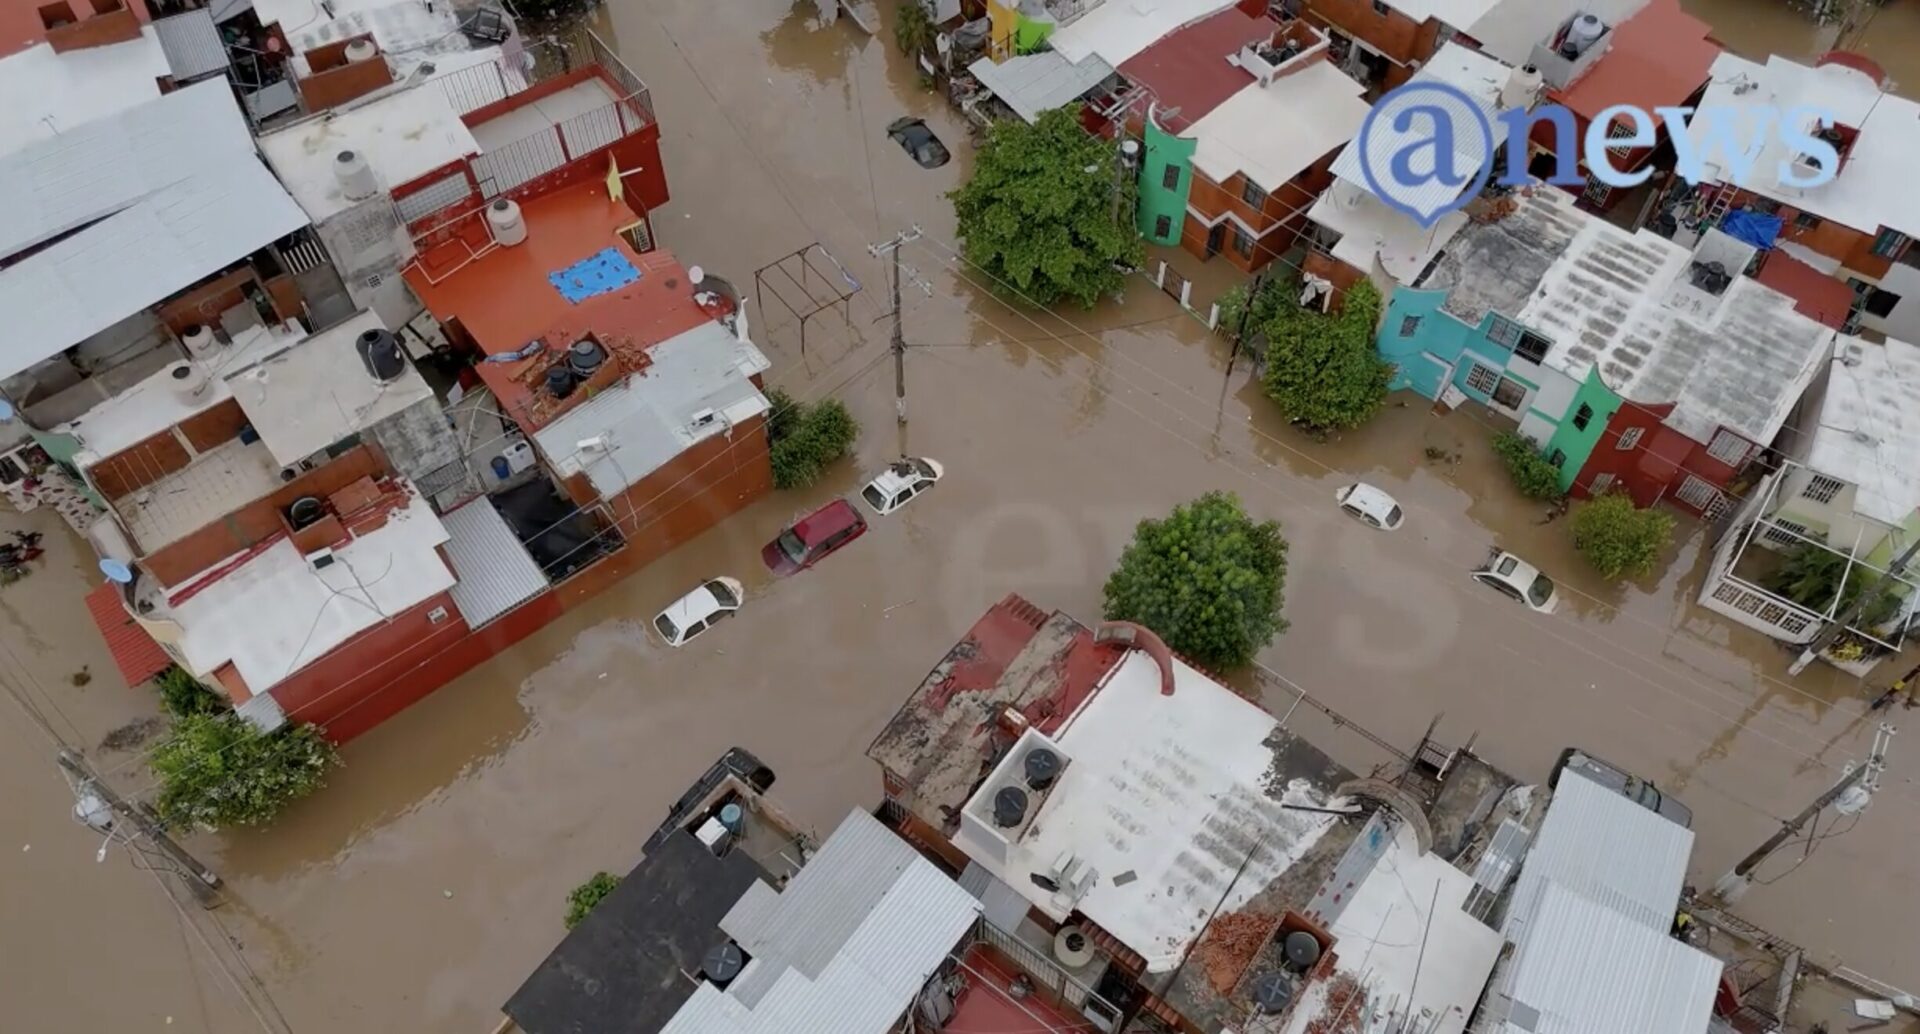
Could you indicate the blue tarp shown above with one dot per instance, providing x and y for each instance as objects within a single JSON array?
[
  {"x": 596, "y": 274},
  {"x": 1751, "y": 227}
]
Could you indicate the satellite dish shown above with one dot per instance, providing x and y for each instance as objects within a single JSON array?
[
  {"x": 695, "y": 274},
  {"x": 116, "y": 571}
]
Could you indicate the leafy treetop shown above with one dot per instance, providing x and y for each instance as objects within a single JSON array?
[
  {"x": 1323, "y": 369},
  {"x": 1207, "y": 579}
]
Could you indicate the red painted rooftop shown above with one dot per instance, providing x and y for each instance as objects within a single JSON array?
[
  {"x": 134, "y": 652},
  {"x": 21, "y": 26},
  {"x": 504, "y": 301},
  {"x": 1188, "y": 69},
  {"x": 985, "y": 1004},
  {"x": 1659, "y": 57},
  {"x": 1815, "y": 295}
]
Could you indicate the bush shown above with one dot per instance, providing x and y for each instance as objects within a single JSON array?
[
  {"x": 1811, "y": 577},
  {"x": 914, "y": 31},
  {"x": 1323, "y": 369},
  {"x": 1530, "y": 471},
  {"x": 183, "y": 696},
  {"x": 804, "y": 439},
  {"x": 1618, "y": 539},
  {"x": 217, "y": 770},
  {"x": 1207, "y": 579},
  {"x": 588, "y": 894}
]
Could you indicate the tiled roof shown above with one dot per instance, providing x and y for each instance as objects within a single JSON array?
[{"x": 134, "y": 652}]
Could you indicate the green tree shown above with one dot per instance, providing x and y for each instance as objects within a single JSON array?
[
  {"x": 803, "y": 440},
  {"x": 218, "y": 770},
  {"x": 1618, "y": 539},
  {"x": 183, "y": 695},
  {"x": 1811, "y": 575},
  {"x": 1037, "y": 214},
  {"x": 1207, "y": 579},
  {"x": 1323, "y": 369},
  {"x": 914, "y": 29},
  {"x": 581, "y": 899},
  {"x": 1531, "y": 473}
]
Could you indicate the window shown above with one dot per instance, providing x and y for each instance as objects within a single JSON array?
[
  {"x": 1629, "y": 438},
  {"x": 1806, "y": 221},
  {"x": 1881, "y": 303},
  {"x": 1482, "y": 379},
  {"x": 1582, "y": 417},
  {"x": 1597, "y": 193},
  {"x": 1380, "y": 7},
  {"x": 1242, "y": 243},
  {"x": 1409, "y": 326},
  {"x": 1511, "y": 394},
  {"x": 1163, "y": 226},
  {"x": 1532, "y": 347},
  {"x": 1252, "y": 194},
  {"x": 1821, "y": 488},
  {"x": 1170, "y": 177},
  {"x": 1600, "y": 483},
  {"x": 1785, "y": 533},
  {"x": 1620, "y": 131},
  {"x": 1888, "y": 243},
  {"x": 1728, "y": 448},
  {"x": 1697, "y": 493},
  {"x": 1504, "y": 332},
  {"x": 1557, "y": 457},
  {"x": 1427, "y": 271}
]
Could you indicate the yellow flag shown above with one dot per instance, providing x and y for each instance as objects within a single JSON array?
[{"x": 613, "y": 178}]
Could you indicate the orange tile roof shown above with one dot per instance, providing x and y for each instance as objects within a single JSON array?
[
  {"x": 1659, "y": 57},
  {"x": 134, "y": 652},
  {"x": 1815, "y": 295}
]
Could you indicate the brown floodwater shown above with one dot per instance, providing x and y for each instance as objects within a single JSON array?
[
  {"x": 429, "y": 877},
  {"x": 1887, "y": 32}
]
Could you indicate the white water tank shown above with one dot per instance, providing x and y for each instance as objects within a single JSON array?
[
  {"x": 355, "y": 175},
  {"x": 199, "y": 340},
  {"x": 503, "y": 218},
  {"x": 189, "y": 381},
  {"x": 361, "y": 50},
  {"x": 1584, "y": 31},
  {"x": 1522, "y": 88}
]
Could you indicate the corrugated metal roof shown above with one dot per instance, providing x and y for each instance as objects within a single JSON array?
[
  {"x": 193, "y": 46},
  {"x": 139, "y": 256},
  {"x": 1607, "y": 847},
  {"x": 134, "y": 652},
  {"x": 1582, "y": 968},
  {"x": 93, "y": 170},
  {"x": 494, "y": 570},
  {"x": 853, "y": 937},
  {"x": 1035, "y": 83}
]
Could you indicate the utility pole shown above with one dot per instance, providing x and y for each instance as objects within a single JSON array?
[
  {"x": 1847, "y": 617},
  {"x": 1853, "y": 791},
  {"x": 899, "y": 333},
  {"x": 96, "y": 804},
  {"x": 1246, "y": 314}
]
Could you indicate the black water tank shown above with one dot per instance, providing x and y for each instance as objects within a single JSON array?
[
  {"x": 584, "y": 357},
  {"x": 1009, "y": 807},
  {"x": 304, "y": 511},
  {"x": 722, "y": 963},
  {"x": 1042, "y": 766},
  {"x": 1272, "y": 992},
  {"x": 559, "y": 381},
  {"x": 1302, "y": 950},
  {"x": 380, "y": 350}
]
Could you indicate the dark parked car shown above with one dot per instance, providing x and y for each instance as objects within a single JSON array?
[
  {"x": 807, "y": 540},
  {"x": 917, "y": 140},
  {"x": 1626, "y": 784}
]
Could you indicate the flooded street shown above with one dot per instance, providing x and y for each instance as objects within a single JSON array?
[
  {"x": 1889, "y": 33},
  {"x": 418, "y": 890}
]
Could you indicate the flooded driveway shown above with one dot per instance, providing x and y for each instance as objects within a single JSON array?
[{"x": 425, "y": 882}]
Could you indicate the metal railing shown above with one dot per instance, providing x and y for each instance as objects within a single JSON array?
[
  {"x": 1043, "y": 970},
  {"x": 468, "y": 89},
  {"x": 634, "y": 88}
]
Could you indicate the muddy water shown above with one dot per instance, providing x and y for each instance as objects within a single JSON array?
[
  {"x": 1888, "y": 33},
  {"x": 417, "y": 891}
]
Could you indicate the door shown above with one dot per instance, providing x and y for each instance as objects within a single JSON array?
[{"x": 1216, "y": 239}]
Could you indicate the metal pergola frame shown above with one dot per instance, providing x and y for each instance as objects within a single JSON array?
[{"x": 837, "y": 286}]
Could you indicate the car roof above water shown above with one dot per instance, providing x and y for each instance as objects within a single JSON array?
[{"x": 835, "y": 516}]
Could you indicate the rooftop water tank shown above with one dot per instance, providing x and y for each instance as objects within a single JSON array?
[
  {"x": 508, "y": 226},
  {"x": 1522, "y": 87},
  {"x": 361, "y": 50},
  {"x": 355, "y": 175},
  {"x": 585, "y": 356},
  {"x": 189, "y": 381},
  {"x": 559, "y": 381},
  {"x": 1009, "y": 807},
  {"x": 380, "y": 350},
  {"x": 1042, "y": 766},
  {"x": 199, "y": 339},
  {"x": 1583, "y": 32}
]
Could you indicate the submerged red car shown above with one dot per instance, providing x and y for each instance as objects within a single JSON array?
[{"x": 803, "y": 543}]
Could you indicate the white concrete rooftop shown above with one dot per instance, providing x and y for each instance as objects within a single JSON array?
[
  {"x": 319, "y": 391},
  {"x": 1474, "y": 74},
  {"x": 48, "y": 94},
  {"x": 403, "y": 133},
  {"x": 1869, "y": 427},
  {"x": 1276, "y": 131},
  {"x": 1116, "y": 30},
  {"x": 1370, "y": 231}
]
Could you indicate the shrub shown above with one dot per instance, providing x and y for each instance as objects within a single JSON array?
[
  {"x": 804, "y": 439},
  {"x": 182, "y": 695},
  {"x": 1618, "y": 539},
  {"x": 582, "y": 899},
  {"x": 914, "y": 31},
  {"x": 1530, "y": 471},
  {"x": 1811, "y": 576},
  {"x": 218, "y": 770},
  {"x": 1323, "y": 369},
  {"x": 1207, "y": 579}
]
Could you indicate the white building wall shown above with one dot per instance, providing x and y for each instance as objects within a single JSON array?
[
  {"x": 1843, "y": 526},
  {"x": 1904, "y": 321},
  {"x": 1556, "y": 388}
]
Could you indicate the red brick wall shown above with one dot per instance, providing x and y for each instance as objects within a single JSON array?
[
  {"x": 94, "y": 29},
  {"x": 139, "y": 465},
  {"x": 1853, "y": 248},
  {"x": 328, "y": 689},
  {"x": 1393, "y": 34},
  {"x": 215, "y": 426}
]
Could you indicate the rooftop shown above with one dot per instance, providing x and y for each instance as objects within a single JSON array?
[
  {"x": 1869, "y": 430},
  {"x": 1509, "y": 29},
  {"x": 1034, "y": 83},
  {"x": 1496, "y": 266},
  {"x": 1188, "y": 70},
  {"x": 844, "y": 948},
  {"x": 275, "y": 612},
  {"x": 1118, "y": 30},
  {"x": 1658, "y": 58},
  {"x": 624, "y": 969},
  {"x": 1457, "y": 13},
  {"x": 402, "y": 133},
  {"x": 217, "y": 482},
  {"x": 1607, "y": 847},
  {"x": 1474, "y": 74},
  {"x": 132, "y": 648},
  {"x": 1371, "y": 231},
  {"x": 1818, "y": 296},
  {"x": 1873, "y": 188},
  {"x": 1273, "y": 133},
  {"x": 49, "y": 94},
  {"x": 694, "y": 386},
  {"x": 319, "y": 391},
  {"x": 409, "y": 32}
]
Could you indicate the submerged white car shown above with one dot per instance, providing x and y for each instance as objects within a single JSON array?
[
  {"x": 903, "y": 479},
  {"x": 1370, "y": 506},
  {"x": 1516, "y": 578},
  {"x": 699, "y": 610}
]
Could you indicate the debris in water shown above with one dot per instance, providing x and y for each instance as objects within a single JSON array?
[
  {"x": 446, "y": 893},
  {"x": 81, "y": 677}
]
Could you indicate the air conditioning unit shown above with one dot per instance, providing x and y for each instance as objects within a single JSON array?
[
  {"x": 702, "y": 418},
  {"x": 321, "y": 558}
]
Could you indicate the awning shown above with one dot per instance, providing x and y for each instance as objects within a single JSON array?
[
  {"x": 1034, "y": 83},
  {"x": 134, "y": 652}
]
